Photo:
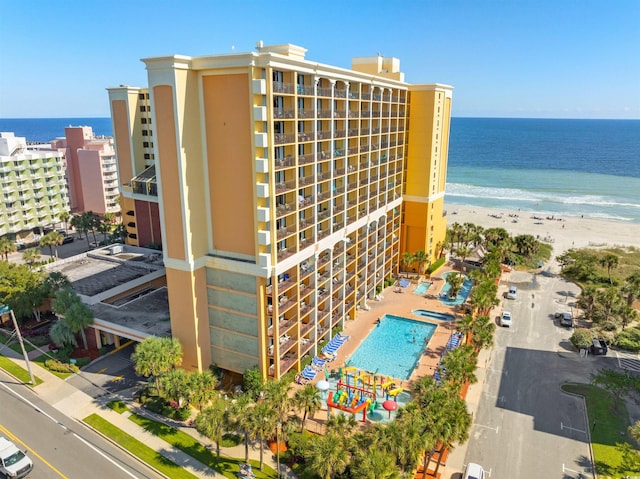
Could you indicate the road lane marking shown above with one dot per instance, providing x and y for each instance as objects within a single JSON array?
[
  {"x": 26, "y": 401},
  {"x": 14, "y": 438}
]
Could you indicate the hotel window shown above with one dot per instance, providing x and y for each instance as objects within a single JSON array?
[
  {"x": 279, "y": 152},
  {"x": 300, "y": 79},
  {"x": 278, "y": 102},
  {"x": 143, "y": 120},
  {"x": 147, "y": 156},
  {"x": 278, "y": 127},
  {"x": 143, "y": 108},
  {"x": 147, "y": 96},
  {"x": 278, "y": 76},
  {"x": 145, "y": 144},
  {"x": 141, "y": 96},
  {"x": 145, "y": 133}
]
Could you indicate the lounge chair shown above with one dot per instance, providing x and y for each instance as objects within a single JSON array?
[{"x": 318, "y": 363}]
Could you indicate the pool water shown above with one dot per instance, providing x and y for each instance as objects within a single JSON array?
[
  {"x": 393, "y": 348},
  {"x": 422, "y": 288},
  {"x": 462, "y": 295},
  {"x": 425, "y": 313}
]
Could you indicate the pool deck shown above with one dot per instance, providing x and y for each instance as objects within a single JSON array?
[{"x": 402, "y": 304}]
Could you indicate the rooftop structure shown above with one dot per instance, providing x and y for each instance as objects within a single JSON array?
[{"x": 285, "y": 192}]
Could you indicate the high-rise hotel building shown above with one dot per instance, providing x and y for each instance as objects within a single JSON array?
[{"x": 283, "y": 190}]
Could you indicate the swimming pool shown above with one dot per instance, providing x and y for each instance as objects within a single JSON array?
[
  {"x": 425, "y": 313},
  {"x": 422, "y": 288},
  {"x": 462, "y": 295},
  {"x": 393, "y": 348}
]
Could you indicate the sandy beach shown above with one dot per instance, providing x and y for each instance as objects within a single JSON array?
[{"x": 562, "y": 232}]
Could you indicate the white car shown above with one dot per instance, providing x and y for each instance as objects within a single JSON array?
[
  {"x": 473, "y": 471},
  {"x": 505, "y": 319}
]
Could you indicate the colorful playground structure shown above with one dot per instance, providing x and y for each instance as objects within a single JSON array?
[{"x": 359, "y": 391}]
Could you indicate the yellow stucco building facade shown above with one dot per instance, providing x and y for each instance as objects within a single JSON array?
[{"x": 286, "y": 192}]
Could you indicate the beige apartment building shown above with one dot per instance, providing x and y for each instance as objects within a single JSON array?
[{"x": 283, "y": 191}]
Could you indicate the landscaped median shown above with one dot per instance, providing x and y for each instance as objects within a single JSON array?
[
  {"x": 608, "y": 426},
  {"x": 228, "y": 467},
  {"x": 17, "y": 372}
]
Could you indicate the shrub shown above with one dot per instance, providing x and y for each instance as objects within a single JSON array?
[
  {"x": 628, "y": 339},
  {"x": 433, "y": 267},
  {"x": 60, "y": 367},
  {"x": 82, "y": 362},
  {"x": 581, "y": 338}
]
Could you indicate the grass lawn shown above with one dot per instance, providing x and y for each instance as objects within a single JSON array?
[
  {"x": 227, "y": 466},
  {"x": 608, "y": 422},
  {"x": 16, "y": 371},
  {"x": 138, "y": 449}
]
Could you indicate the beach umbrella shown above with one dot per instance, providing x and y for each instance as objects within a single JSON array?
[{"x": 390, "y": 405}]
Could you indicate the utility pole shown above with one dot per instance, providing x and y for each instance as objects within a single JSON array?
[{"x": 5, "y": 310}]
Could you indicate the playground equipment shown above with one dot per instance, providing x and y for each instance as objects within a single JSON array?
[{"x": 354, "y": 399}]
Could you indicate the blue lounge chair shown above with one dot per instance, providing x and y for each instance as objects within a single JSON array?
[
  {"x": 308, "y": 373},
  {"x": 317, "y": 362}
]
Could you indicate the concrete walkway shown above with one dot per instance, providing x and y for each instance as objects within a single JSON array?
[{"x": 77, "y": 405}]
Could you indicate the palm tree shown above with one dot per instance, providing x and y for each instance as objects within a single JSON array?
[
  {"x": 155, "y": 356},
  {"x": 341, "y": 424},
  {"x": 455, "y": 282},
  {"x": 263, "y": 423},
  {"x": 587, "y": 301},
  {"x": 608, "y": 299},
  {"x": 52, "y": 239},
  {"x": 609, "y": 261},
  {"x": 407, "y": 260},
  {"x": 421, "y": 258},
  {"x": 61, "y": 335},
  {"x": 526, "y": 245},
  {"x": 465, "y": 326},
  {"x": 31, "y": 256},
  {"x": 455, "y": 425},
  {"x": 483, "y": 330},
  {"x": 79, "y": 223},
  {"x": 7, "y": 247},
  {"x": 64, "y": 217},
  {"x": 175, "y": 386},
  {"x": 405, "y": 440},
  {"x": 459, "y": 365},
  {"x": 328, "y": 455},
  {"x": 307, "y": 400},
  {"x": 463, "y": 252},
  {"x": 374, "y": 463},
  {"x": 631, "y": 288},
  {"x": 211, "y": 422},
  {"x": 239, "y": 417},
  {"x": 77, "y": 318},
  {"x": 202, "y": 387}
]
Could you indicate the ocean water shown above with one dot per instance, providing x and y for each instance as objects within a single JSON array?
[
  {"x": 43, "y": 130},
  {"x": 558, "y": 167},
  {"x": 550, "y": 167}
]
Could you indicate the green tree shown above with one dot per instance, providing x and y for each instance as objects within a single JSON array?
[
  {"x": 458, "y": 366},
  {"x": 21, "y": 288},
  {"x": 253, "y": 382},
  {"x": 581, "y": 338},
  {"x": 422, "y": 259},
  {"x": 609, "y": 261},
  {"x": 634, "y": 431},
  {"x": 262, "y": 425},
  {"x": 7, "y": 247},
  {"x": 31, "y": 256},
  {"x": 61, "y": 335},
  {"x": 407, "y": 260},
  {"x": 526, "y": 245},
  {"x": 202, "y": 387},
  {"x": 156, "y": 356},
  {"x": 631, "y": 288},
  {"x": 77, "y": 318},
  {"x": 307, "y": 400},
  {"x": 64, "y": 217},
  {"x": 374, "y": 463},
  {"x": 52, "y": 239},
  {"x": 176, "y": 386},
  {"x": 455, "y": 282},
  {"x": 240, "y": 418},
  {"x": 328, "y": 456},
  {"x": 212, "y": 421},
  {"x": 483, "y": 330}
]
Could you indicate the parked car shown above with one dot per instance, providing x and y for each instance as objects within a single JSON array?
[
  {"x": 566, "y": 319},
  {"x": 511, "y": 293},
  {"x": 599, "y": 347},
  {"x": 473, "y": 471},
  {"x": 14, "y": 463},
  {"x": 505, "y": 319},
  {"x": 68, "y": 239}
]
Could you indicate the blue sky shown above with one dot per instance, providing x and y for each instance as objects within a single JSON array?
[{"x": 541, "y": 58}]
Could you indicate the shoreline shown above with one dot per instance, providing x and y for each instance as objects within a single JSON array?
[{"x": 562, "y": 232}]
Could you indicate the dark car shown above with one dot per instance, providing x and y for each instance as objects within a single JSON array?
[
  {"x": 599, "y": 347},
  {"x": 67, "y": 239}
]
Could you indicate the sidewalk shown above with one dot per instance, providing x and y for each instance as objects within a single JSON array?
[{"x": 76, "y": 404}]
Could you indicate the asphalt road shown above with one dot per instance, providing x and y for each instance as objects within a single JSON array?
[
  {"x": 525, "y": 426},
  {"x": 59, "y": 446}
]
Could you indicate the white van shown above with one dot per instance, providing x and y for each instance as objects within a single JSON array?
[
  {"x": 512, "y": 293},
  {"x": 14, "y": 463},
  {"x": 473, "y": 471}
]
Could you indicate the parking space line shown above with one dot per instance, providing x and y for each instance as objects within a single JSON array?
[
  {"x": 496, "y": 429},
  {"x": 562, "y": 426}
]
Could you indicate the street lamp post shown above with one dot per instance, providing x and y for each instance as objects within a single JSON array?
[{"x": 4, "y": 310}]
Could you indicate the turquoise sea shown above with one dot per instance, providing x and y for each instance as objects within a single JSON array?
[{"x": 557, "y": 167}]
